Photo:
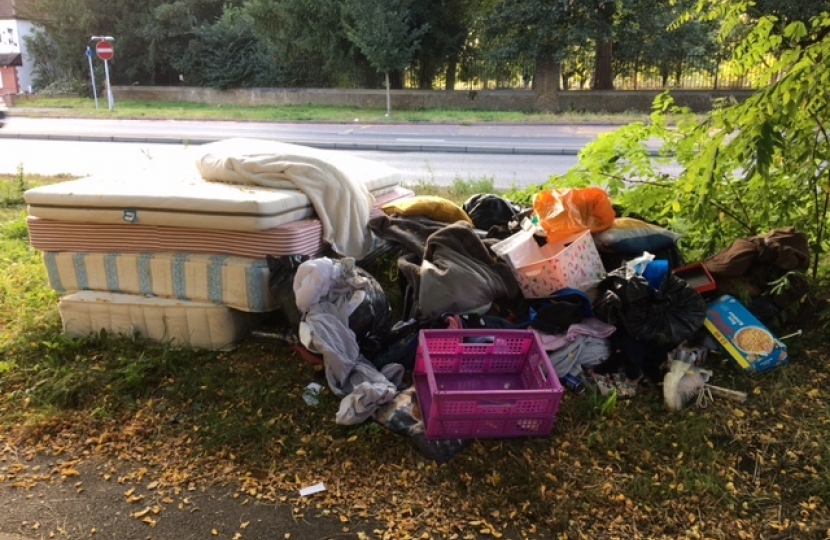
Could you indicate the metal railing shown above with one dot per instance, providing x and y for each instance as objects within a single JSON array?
[{"x": 690, "y": 72}]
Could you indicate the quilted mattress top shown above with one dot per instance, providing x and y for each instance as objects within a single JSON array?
[{"x": 177, "y": 195}]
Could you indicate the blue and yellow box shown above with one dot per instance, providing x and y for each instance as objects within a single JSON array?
[{"x": 743, "y": 337}]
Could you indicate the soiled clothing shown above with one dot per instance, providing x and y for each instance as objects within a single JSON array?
[
  {"x": 585, "y": 344},
  {"x": 749, "y": 265},
  {"x": 584, "y": 351},
  {"x": 325, "y": 308},
  {"x": 370, "y": 390},
  {"x": 589, "y": 327},
  {"x": 453, "y": 270},
  {"x": 783, "y": 249}
]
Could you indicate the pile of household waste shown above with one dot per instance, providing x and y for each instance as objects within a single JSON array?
[{"x": 504, "y": 306}]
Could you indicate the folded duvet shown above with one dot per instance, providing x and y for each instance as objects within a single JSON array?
[{"x": 235, "y": 282}]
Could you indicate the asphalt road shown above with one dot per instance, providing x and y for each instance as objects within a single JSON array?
[
  {"x": 77, "y": 158},
  {"x": 511, "y": 155},
  {"x": 531, "y": 139}
]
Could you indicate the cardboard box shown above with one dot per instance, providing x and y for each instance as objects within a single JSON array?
[
  {"x": 573, "y": 262},
  {"x": 743, "y": 337}
]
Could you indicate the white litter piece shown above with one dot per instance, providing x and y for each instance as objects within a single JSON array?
[{"x": 311, "y": 490}]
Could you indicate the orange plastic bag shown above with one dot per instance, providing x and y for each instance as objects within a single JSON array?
[{"x": 563, "y": 212}]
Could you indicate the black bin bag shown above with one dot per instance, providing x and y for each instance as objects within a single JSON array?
[
  {"x": 281, "y": 271},
  {"x": 369, "y": 320},
  {"x": 488, "y": 210},
  {"x": 662, "y": 317},
  {"x": 372, "y": 318}
]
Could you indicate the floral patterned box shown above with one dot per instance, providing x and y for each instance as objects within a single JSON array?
[{"x": 573, "y": 263}]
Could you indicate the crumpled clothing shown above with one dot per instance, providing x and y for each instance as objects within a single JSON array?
[
  {"x": 584, "y": 351},
  {"x": 784, "y": 249},
  {"x": 331, "y": 337},
  {"x": 588, "y": 327},
  {"x": 446, "y": 267},
  {"x": 313, "y": 280},
  {"x": 325, "y": 329},
  {"x": 368, "y": 390}
]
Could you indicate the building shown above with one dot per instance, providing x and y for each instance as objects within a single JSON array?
[{"x": 16, "y": 67}]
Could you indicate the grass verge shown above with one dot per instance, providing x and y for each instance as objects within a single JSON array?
[
  {"x": 79, "y": 107},
  {"x": 611, "y": 469}
]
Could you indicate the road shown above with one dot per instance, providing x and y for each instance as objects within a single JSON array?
[
  {"x": 509, "y": 155},
  {"x": 430, "y": 154},
  {"x": 531, "y": 139}
]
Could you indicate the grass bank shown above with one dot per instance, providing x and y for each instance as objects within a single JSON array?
[
  {"x": 85, "y": 108},
  {"x": 611, "y": 468}
]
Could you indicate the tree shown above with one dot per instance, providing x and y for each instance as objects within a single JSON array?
[
  {"x": 149, "y": 34},
  {"x": 224, "y": 54},
  {"x": 541, "y": 31},
  {"x": 58, "y": 46},
  {"x": 645, "y": 37},
  {"x": 748, "y": 167},
  {"x": 603, "y": 65},
  {"x": 165, "y": 31},
  {"x": 382, "y": 31},
  {"x": 310, "y": 42},
  {"x": 449, "y": 25}
]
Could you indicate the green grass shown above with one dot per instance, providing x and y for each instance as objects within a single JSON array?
[
  {"x": 611, "y": 466},
  {"x": 79, "y": 107}
]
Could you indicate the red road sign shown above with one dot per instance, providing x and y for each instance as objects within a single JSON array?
[{"x": 104, "y": 50}]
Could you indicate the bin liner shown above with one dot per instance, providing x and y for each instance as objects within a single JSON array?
[
  {"x": 371, "y": 318},
  {"x": 488, "y": 210},
  {"x": 281, "y": 285},
  {"x": 662, "y": 317}
]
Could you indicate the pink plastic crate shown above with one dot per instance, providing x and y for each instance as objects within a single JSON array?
[{"x": 483, "y": 384}]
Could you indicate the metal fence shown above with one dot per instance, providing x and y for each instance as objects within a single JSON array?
[{"x": 690, "y": 72}]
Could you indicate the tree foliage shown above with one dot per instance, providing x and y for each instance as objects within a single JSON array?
[
  {"x": 224, "y": 54},
  {"x": 747, "y": 168},
  {"x": 308, "y": 39},
  {"x": 645, "y": 33},
  {"x": 383, "y": 31}
]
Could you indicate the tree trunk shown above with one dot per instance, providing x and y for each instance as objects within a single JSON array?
[
  {"x": 546, "y": 83},
  {"x": 426, "y": 73},
  {"x": 452, "y": 66},
  {"x": 396, "y": 79},
  {"x": 603, "y": 67},
  {"x": 388, "y": 95}
]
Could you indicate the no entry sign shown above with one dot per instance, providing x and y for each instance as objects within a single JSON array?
[{"x": 104, "y": 50}]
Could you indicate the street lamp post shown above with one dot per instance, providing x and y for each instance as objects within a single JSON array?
[{"x": 105, "y": 57}]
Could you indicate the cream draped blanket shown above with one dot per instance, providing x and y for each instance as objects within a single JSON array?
[{"x": 333, "y": 182}]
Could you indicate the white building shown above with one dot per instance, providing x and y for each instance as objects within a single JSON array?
[{"x": 16, "y": 66}]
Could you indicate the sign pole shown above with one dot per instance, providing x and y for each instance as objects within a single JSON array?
[
  {"x": 92, "y": 74},
  {"x": 109, "y": 88},
  {"x": 105, "y": 52}
]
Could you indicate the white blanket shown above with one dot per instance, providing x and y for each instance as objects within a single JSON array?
[{"x": 331, "y": 180}]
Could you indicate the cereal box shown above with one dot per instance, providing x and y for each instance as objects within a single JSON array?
[{"x": 743, "y": 338}]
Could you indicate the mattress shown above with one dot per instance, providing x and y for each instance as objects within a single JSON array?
[
  {"x": 179, "y": 323},
  {"x": 179, "y": 197},
  {"x": 303, "y": 237},
  {"x": 298, "y": 238},
  {"x": 235, "y": 282}
]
